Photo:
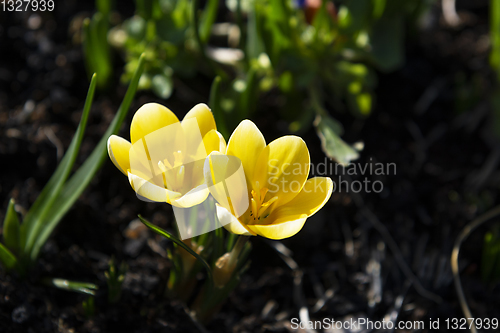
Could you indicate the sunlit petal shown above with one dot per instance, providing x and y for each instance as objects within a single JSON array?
[
  {"x": 204, "y": 116},
  {"x": 282, "y": 167},
  {"x": 246, "y": 143},
  {"x": 314, "y": 195},
  {"x": 280, "y": 230},
  {"x": 194, "y": 197},
  {"x": 118, "y": 150},
  {"x": 149, "y": 118},
  {"x": 151, "y": 191},
  {"x": 231, "y": 223},
  {"x": 214, "y": 141}
]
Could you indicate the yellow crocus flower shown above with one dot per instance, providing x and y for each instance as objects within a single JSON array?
[
  {"x": 164, "y": 160},
  {"x": 279, "y": 197}
]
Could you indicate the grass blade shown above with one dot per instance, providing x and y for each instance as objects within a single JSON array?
[
  {"x": 214, "y": 103},
  {"x": 174, "y": 239},
  {"x": 7, "y": 259},
  {"x": 39, "y": 211},
  {"x": 208, "y": 19},
  {"x": 79, "y": 287},
  {"x": 11, "y": 228},
  {"x": 79, "y": 181}
]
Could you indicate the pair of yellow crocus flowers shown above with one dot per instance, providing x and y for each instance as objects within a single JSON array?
[{"x": 166, "y": 161}]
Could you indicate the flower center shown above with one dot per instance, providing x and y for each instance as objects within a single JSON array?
[
  {"x": 261, "y": 209},
  {"x": 173, "y": 175}
]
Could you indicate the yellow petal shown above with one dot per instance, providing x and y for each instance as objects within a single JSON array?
[
  {"x": 204, "y": 116},
  {"x": 314, "y": 195},
  {"x": 192, "y": 198},
  {"x": 118, "y": 150},
  {"x": 231, "y": 223},
  {"x": 246, "y": 143},
  {"x": 278, "y": 231},
  {"x": 225, "y": 178},
  {"x": 151, "y": 191},
  {"x": 214, "y": 141},
  {"x": 149, "y": 118},
  {"x": 282, "y": 167}
]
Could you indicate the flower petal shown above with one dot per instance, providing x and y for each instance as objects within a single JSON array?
[
  {"x": 231, "y": 223},
  {"x": 314, "y": 195},
  {"x": 246, "y": 143},
  {"x": 278, "y": 231},
  {"x": 149, "y": 118},
  {"x": 225, "y": 178},
  {"x": 151, "y": 191},
  {"x": 118, "y": 150},
  {"x": 214, "y": 141},
  {"x": 204, "y": 116},
  {"x": 282, "y": 167},
  {"x": 192, "y": 198}
]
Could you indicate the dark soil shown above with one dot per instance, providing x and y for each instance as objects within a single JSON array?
[{"x": 431, "y": 120}]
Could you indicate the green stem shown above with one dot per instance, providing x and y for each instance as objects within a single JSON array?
[{"x": 235, "y": 252}]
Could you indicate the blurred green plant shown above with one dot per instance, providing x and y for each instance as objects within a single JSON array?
[
  {"x": 495, "y": 64},
  {"x": 74, "y": 286},
  {"x": 163, "y": 30},
  {"x": 88, "y": 307},
  {"x": 319, "y": 56},
  {"x": 96, "y": 48},
  {"x": 490, "y": 263},
  {"x": 221, "y": 255},
  {"x": 23, "y": 241},
  {"x": 114, "y": 278},
  {"x": 288, "y": 48}
]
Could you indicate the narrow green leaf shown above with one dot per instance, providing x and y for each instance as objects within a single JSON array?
[
  {"x": 488, "y": 257},
  {"x": 99, "y": 49},
  {"x": 7, "y": 259},
  {"x": 208, "y": 18},
  {"x": 174, "y": 239},
  {"x": 249, "y": 96},
  {"x": 255, "y": 45},
  {"x": 215, "y": 104},
  {"x": 495, "y": 36},
  {"x": 11, "y": 228},
  {"x": 104, "y": 6},
  {"x": 231, "y": 239},
  {"x": 79, "y": 287},
  {"x": 79, "y": 181},
  {"x": 39, "y": 211}
]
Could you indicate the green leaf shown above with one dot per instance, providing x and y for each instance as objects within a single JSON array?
[
  {"x": 215, "y": 104},
  {"x": 489, "y": 256},
  {"x": 36, "y": 216},
  {"x": 248, "y": 97},
  {"x": 11, "y": 229},
  {"x": 96, "y": 48},
  {"x": 104, "y": 6},
  {"x": 7, "y": 259},
  {"x": 334, "y": 147},
  {"x": 495, "y": 36},
  {"x": 255, "y": 45},
  {"x": 79, "y": 181},
  {"x": 79, "y": 287},
  {"x": 207, "y": 19},
  {"x": 174, "y": 239},
  {"x": 231, "y": 239}
]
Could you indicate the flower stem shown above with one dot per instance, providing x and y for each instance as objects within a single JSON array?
[{"x": 238, "y": 246}]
